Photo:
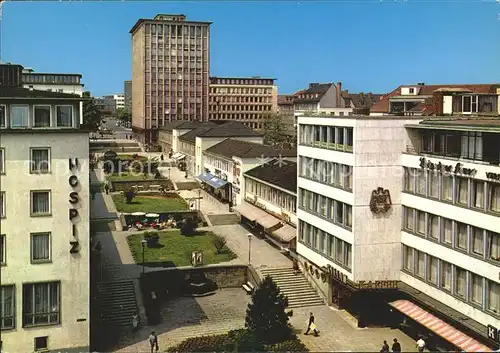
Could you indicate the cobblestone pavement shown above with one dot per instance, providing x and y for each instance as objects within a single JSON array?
[
  {"x": 191, "y": 317},
  {"x": 338, "y": 332}
]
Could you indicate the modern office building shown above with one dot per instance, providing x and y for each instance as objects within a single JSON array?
[
  {"x": 44, "y": 240},
  {"x": 170, "y": 73},
  {"x": 127, "y": 91},
  {"x": 400, "y": 213},
  {"x": 118, "y": 99},
  {"x": 286, "y": 112},
  {"x": 52, "y": 82},
  {"x": 248, "y": 100}
]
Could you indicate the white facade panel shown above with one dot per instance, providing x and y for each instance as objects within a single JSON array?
[
  {"x": 326, "y": 155},
  {"x": 328, "y": 227},
  {"x": 325, "y": 190}
]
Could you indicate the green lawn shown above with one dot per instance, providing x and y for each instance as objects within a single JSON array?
[
  {"x": 149, "y": 204},
  {"x": 126, "y": 157},
  {"x": 129, "y": 177},
  {"x": 177, "y": 248}
]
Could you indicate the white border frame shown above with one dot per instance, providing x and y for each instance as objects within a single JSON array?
[
  {"x": 10, "y": 116},
  {"x": 49, "y": 160},
  {"x": 41, "y": 261},
  {"x": 32, "y": 214}
]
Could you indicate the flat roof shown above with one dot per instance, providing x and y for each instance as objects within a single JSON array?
[
  {"x": 242, "y": 78},
  {"x": 478, "y": 124},
  {"x": 50, "y": 73},
  {"x": 151, "y": 20}
]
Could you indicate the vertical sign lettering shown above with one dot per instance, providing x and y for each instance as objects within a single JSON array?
[{"x": 74, "y": 198}]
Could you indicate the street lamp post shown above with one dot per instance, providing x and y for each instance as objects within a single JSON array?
[
  {"x": 143, "y": 243},
  {"x": 249, "y": 246}
]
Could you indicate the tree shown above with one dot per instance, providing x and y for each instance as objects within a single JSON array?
[
  {"x": 274, "y": 130},
  {"x": 92, "y": 116},
  {"x": 219, "y": 242},
  {"x": 129, "y": 196},
  {"x": 189, "y": 226},
  {"x": 123, "y": 114},
  {"x": 266, "y": 316}
]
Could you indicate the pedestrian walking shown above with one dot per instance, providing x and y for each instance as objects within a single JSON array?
[
  {"x": 153, "y": 342},
  {"x": 295, "y": 266},
  {"x": 396, "y": 347},
  {"x": 311, "y": 325},
  {"x": 420, "y": 344},
  {"x": 161, "y": 157},
  {"x": 385, "y": 347},
  {"x": 106, "y": 188},
  {"x": 135, "y": 321}
]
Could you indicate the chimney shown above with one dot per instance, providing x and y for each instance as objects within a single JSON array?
[{"x": 339, "y": 93}]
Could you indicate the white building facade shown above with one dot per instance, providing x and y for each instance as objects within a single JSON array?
[
  {"x": 52, "y": 82},
  {"x": 361, "y": 222},
  {"x": 44, "y": 253}
]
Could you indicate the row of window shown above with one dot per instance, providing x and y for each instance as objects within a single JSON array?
[
  {"x": 460, "y": 236},
  {"x": 40, "y": 248},
  {"x": 331, "y": 137},
  {"x": 475, "y": 194},
  {"x": 326, "y": 244},
  {"x": 40, "y": 203},
  {"x": 330, "y": 173},
  {"x": 51, "y": 79},
  {"x": 241, "y": 108},
  {"x": 218, "y": 163},
  {"x": 331, "y": 210},
  {"x": 40, "y": 160},
  {"x": 41, "y": 116},
  {"x": 239, "y": 90},
  {"x": 177, "y": 29},
  {"x": 467, "y": 286},
  {"x": 41, "y": 305},
  {"x": 276, "y": 197}
]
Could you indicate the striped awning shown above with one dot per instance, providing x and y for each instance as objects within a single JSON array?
[
  {"x": 268, "y": 221},
  {"x": 286, "y": 233},
  {"x": 438, "y": 326}
]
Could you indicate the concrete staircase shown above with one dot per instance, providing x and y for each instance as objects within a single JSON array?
[
  {"x": 118, "y": 146},
  {"x": 299, "y": 291},
  {"x": 118, "y": 303}
]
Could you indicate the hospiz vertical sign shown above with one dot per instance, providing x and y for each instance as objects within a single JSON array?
[{"x": 74, "y": 199}]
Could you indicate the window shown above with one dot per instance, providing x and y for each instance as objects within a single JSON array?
[
  {"x": 460, "y": 282},
  {"x": 40, "y": 247},
  {"x": 2, "y": 161},
  {"x": 462, "y": 188},
  {"x": 445, "y": 275},
  {"x": 476, "y": 290},
  {"x": 447, "y": 231},
  {"x": 41, "y": 304},
  {"x": 421, "y": 182},
  {"x": 348, "y": 218},
  {"x": 432, "y": 270},
  {"x": 421, "y": 222},
  {"x": 41, "y": 343},
  {"x": 3, "y": 250},
  {"x": 493, "y": 246},
  {"x": 408, "y": 258},
  {"x": 409, "y": 224},
  {"x": 420, "y": 264},
  {"x": 40, "y": 160},
  {"x": 7, "y": 307},
  {"x": 477, "y": 241},
  {"x": 447, "y": 192},
  {"x": 338, "y": 250},
  {"x": 2, "y": 204},
  {"x": 433, "y": 184},
  {"x": 19, "y": 116},
  {"x": 494, "y": 197},
  {"x": 64, "y": 115},
  {"x": 3, "y": 116},
  {"x": 40, "y": 203},
  {"x": 41, "y": 116},
  {"x": 478, "y": 194},
  {"x": 339, "y": 212},
  {"x": 433, "y": 226},
  {"x": 408, "y": 180},
  {"x": 347, "y": 255},
  {"x": 461, "y": 238},
  {"x": 493, "y": 297}
]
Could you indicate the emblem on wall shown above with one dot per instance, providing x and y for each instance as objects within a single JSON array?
[{"x": 380, "y": 201}]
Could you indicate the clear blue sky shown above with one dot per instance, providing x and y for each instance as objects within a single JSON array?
[{"x": 368, "y": 45}]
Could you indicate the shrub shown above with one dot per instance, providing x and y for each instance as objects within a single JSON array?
[
  {"x": 129, "y": 196},
  {"x": 292, "y": 345},
  {"x": 266, "y": 316},
  {"x": 152, "y": 238},
  {"x": 215, "y": 343},
  {"x": 188, "y": 226},
  {"x": 219, "y": 243},
  {"x": 244, "y": 341}
]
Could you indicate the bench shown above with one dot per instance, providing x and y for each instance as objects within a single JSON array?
[
  {"x": 248, "y": 287},
  {"x": 153, "y": 295},
  {"x": 154, "y": 187}
]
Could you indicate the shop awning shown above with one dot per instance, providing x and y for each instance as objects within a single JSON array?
[
  {"x": 285, "y": 233},
  {"x": 216, "y": 182},
  {"x": 268, "y": 221},
  {"x": 205, "y": 177},
  {"x": 178, "y": 156},
  {"x": 438, "y": 326},
  {"x": 250, "y": 212}
]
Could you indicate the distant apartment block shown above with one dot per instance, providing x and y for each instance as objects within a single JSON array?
[
  {"x": 247, "y": 100},
  {"x": 118, "y": 99},
  {"x": 429, "y": 100},
  {"x": 170, "y": 73},
  {"x": 127, "y": 91},
  {"x": 285, "y": 110},
  {"x": 52, "y": 82}
]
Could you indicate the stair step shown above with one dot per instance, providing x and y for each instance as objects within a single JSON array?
[{"x": 276, "y": 269}]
